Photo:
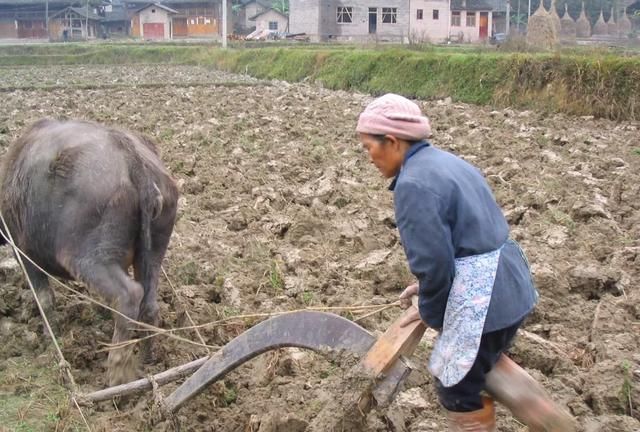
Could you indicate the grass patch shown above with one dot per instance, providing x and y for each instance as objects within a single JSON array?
[
  {"x": 188, "y": 273},
  {"x": 276, "y": 280},
  {"x": 307, "y": 298},
  {"x": 579, "y": 82},
  {"x": 627, "y": 388},
  {"x": 32, "y": 400}
]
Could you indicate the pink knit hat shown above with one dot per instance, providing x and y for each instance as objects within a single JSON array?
[{"x": 395, "y": 115}]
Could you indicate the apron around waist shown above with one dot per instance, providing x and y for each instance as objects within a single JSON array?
[{"x": 456, "y": 348}]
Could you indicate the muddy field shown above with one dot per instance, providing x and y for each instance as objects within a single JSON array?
[{"x": 280, "y": 210}]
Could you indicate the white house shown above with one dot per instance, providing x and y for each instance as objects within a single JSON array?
[
  {"x": 350, "y": 20},
  {"x": 271, "y": 19},
  {"x": 153, "y": 22},
  {"x": 429, "y": 21},
  {"x": 393, "y": 20},
  {"x": 457, "y": 20},
  {"x": 249, "y": 9}
]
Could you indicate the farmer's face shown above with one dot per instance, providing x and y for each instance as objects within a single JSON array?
[{"x": 387, "y": 155}]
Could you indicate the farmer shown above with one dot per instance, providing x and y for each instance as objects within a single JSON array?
[{"x": 474, "y": 284}]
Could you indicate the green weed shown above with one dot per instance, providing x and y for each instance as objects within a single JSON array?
[
  {"x": 627, "y": 387},
  {"x": 276, "y": 281}
]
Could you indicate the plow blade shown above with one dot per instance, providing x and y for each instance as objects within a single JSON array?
[{"x": 317, "y": 331}]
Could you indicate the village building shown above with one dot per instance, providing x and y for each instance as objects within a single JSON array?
[
  {"x": 471, "y": 20},
  {"x": 26, "y": 19},
  {"x": 345, "y": 20},
  {"x": 116, "y": 21},
  {"x": 189, "y": 19},
  {"x": 438, "y": 21},
  {"x": 271, "y": 20},
  {"x": 434, "y": 21},
  {"x": 247, "y": 10},
  {"x": 74, "y": 23},
  {"x": 153, "y": 22}
]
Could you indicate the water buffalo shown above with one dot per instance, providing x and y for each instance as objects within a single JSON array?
[{"x": 87, "y": 202}]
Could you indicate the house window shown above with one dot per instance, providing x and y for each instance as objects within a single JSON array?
[
  {"x": 344, "y": 14},
  {"x": 436, "y": 14},
  {"x": 273, "y": 25},
  {"x": 390, "y": 15},
  {"x": 471, "y": 19},
  {"x": 153, "y": 11},
  {"x": 455, "y": 19},
  {"x": 419, "y": 14}
]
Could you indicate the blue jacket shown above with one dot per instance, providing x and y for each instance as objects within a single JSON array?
[{"x": 446, "y": 210}]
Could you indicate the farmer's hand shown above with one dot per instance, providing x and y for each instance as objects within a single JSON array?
[
  {"x": 411, "y": 316},
  {"x": 406, "y": 302},
  {"x": 407, "y": 294}
]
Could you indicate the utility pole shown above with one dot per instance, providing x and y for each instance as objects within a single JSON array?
[
  {"x": 508, "y": 17},
  {"x": 224, "y": 23},
  {"x": 449, "y": 24},
  {"x": 529, "y": 13},
  {"x": 86, "y": 23},
  {"x": 518, "y": 17},
  {"x": 46, "y": 17}
]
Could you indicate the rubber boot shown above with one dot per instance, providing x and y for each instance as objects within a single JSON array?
[
  {"x": 482, "y": 420},
  {"x": 512, "y": 386}
]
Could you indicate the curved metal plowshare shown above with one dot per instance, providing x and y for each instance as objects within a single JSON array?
[{"x": 317, "y": 331}]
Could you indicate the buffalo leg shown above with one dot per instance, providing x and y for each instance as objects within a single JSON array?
[
  {"x": 147, "y": 268},
  {"x": 45, "y": 294},
  {"x": 125, "y": 295},
  {"x": 149, "y": 309}
]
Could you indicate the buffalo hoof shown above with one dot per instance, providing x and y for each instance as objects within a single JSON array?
[{"x": 121, "y": 367}]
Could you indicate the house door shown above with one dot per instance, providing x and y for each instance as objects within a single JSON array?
[
  {"x": 373, "y": 20},
  {"x": 484, "y": 25},
  {"x": 153, "y": 31}
]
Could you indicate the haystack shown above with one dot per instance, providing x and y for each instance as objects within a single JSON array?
[
  {"x": 568, "y": 25},
  {"x": 612, "y": 26},
  {"x": 541, "y": 32},
  {"x": 555, "y": 17},
  {"x": 583, "y": 26},
  {"x": 600, "y": 28},
  {"x": 624, "y": 25}
]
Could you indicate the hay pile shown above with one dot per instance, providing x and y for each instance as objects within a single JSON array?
[
  {"x": 568, "y": 25},
  {"x": 600, "y": 28},
  {"x": 612, "y": 26},
  {"x": 541, "y": 32},
  {"x": 624, "y": 25},
  {"x": 583, "y": 26},
  {"x": 555, "y": 17}
]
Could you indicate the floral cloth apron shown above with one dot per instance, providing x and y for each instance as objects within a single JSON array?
[{"x": 457, "y": 346}]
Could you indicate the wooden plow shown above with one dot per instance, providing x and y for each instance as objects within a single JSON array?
[{"x": 382, "y": 360}]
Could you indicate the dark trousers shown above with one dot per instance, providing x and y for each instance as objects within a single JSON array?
[{"x": 465, "y": 396}]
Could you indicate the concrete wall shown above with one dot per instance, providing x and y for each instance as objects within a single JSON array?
[
  {"x": 262, "y": 22},
  {"x": 428, "y": 29},
  {"x": 304, "y": 17}
]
